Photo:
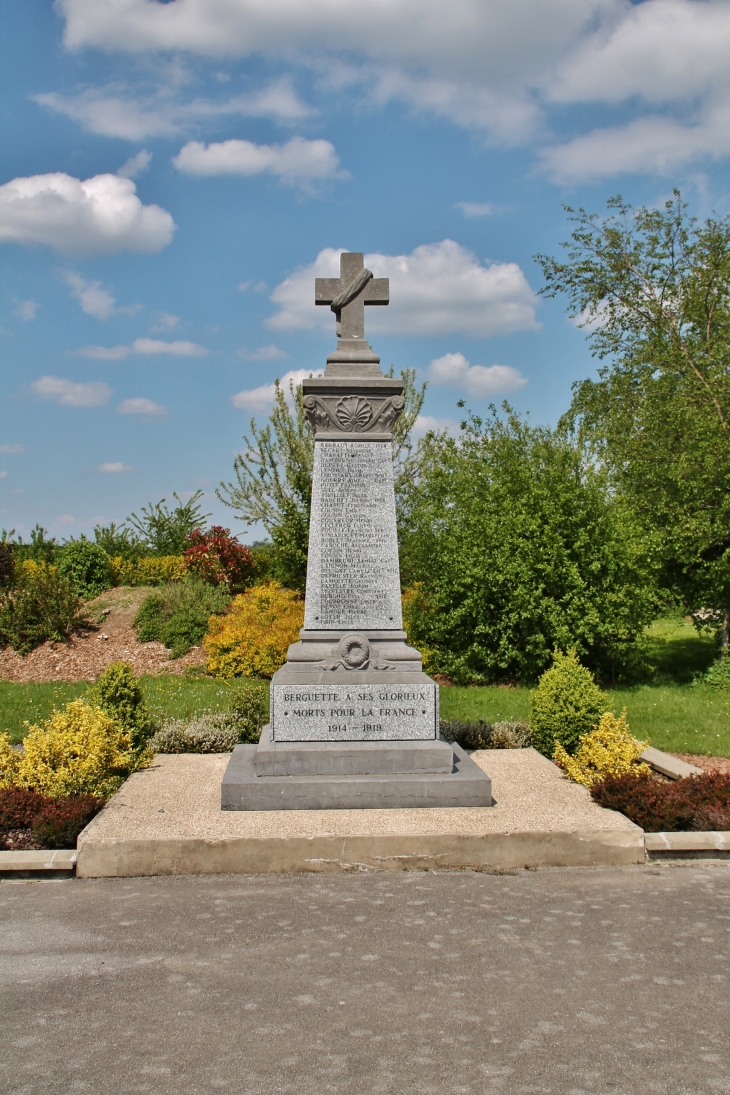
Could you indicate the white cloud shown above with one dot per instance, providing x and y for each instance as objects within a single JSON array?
[
  {"x": 144, "y": 346},
  {"x": 68, "y": 393},
  {"x": 102, "y": 353},
  {"x": 94, "y": 300},
  {"x": 479, "y": 381},
  {"x": 145, "y": 407},
  {"x": 299, "y": 160},
  {"x": 26, "y": 309},
  {"x": 493, "y": 66},
  {"x": 116, "y": 111},
  {"x": 426, "y": 422},
  {"x": 165, "y": 322},
  {"x": 654, "y": 144},
  {"x": 9, "y": 450},
  {"x": 476, "y": 209},
  {"x": 262, "y": 398},
  {"x": 3, "y": 475},
  {"x": 264, "y": 353},
  {"x": 135, "y": 165},
  {"x": 440, "y": 288},
  {"x": 115, "y": 468},
  {"x": 179, "y": 349},
  {"x": 96, "y": 216}
]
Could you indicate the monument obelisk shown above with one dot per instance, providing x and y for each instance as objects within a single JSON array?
[{"x": 354, "y": 719}]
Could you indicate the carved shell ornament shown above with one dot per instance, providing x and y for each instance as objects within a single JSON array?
[{"x": 353, "y": 413}]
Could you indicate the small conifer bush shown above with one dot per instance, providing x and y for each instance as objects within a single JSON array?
[
  {"x": 566, "y": 704},
  {"x": 247, "y": 710},
  {"x": 118, "y": 693}
]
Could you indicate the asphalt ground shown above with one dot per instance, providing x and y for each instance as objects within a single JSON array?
[{"x": 556, "y": 981}]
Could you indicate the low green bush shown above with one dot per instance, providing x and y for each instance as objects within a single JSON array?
[
  {"x": 177, "y": 615},
  {"x": 7, "y": 564},
  {"x": 247, "y": 710},
  {"x": 566, "y": 704},
  {"x": 699, "y": 803},
  {"x": 118, "y": 693},
  {"x": 40, "y": 605},
  {"x": 86, "y": 567},
  {"x": 718, "y": 674},
  {"x": 206, "y": 734},
  {"x": 506, "y": 734}
]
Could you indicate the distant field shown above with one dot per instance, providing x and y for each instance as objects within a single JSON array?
[{"x": 671, "y": 713}]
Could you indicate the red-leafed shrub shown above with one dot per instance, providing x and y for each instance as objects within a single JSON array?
[
  {"x": 217, "y": 557},
  {"x": 53, "y": 822},
  {"x": 701, "y": 803},
  {"x": 61, "y": 820},
  {"x": 19, "y": 807}
]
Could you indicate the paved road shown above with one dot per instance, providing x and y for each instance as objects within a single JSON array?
[{"x": 558, "y": 982}]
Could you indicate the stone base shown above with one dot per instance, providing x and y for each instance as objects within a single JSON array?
[{"x": 413, "y": 784}]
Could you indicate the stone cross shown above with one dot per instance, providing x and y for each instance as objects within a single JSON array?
[{"x": 349, "y": 293}]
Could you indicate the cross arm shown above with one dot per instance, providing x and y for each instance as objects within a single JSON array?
[
  {"x": 377, "y": 291},
  {"x": 326, "y": 289}
]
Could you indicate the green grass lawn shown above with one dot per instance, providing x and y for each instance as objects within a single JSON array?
[
  {"x": 670, "y": 712},
  {"x": 167, "y": 697}
]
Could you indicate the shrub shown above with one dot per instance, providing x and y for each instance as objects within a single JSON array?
[
  {"x": 252, "y": 639},
  {"x": 77, "y": 751},
  {"x": 566, "y": 704},
  {"x": 247, "y": 711},
  {"x": 218, "y": 558},
  {"x": 86, "y": 566},
  {"x": 7, "y": 564},
  {"x": 469, "y": 735},
  {"x": 18, "y": 807},
  {"x": 206, "y": 734},
  {"x": 511, "y": 734},
  {"x": 699, "y": 802},
  {"x": 179, "y": 614},
  {"x": 41, "y": 605},
  {"x": 54, "y": 822},
  {"x": 151, "y": 570},
  {"x": 165, "y": 531},
  {"x": 117, "y": 693},
  {"x": 508, "y": 734},
  {"x": 718, "y": 675},
  {"x": 609, "y": 750},
  {"x": 59, "y": 822}
]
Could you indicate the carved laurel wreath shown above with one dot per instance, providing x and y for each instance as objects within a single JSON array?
[{"x": 353, "y": 652}]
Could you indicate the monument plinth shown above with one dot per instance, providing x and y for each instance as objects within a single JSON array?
[{"x": 354, "y": 719}]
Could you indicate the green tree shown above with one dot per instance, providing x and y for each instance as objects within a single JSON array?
[
  {"x": 273, "y": 475},
  {"x": 652, "y": 288},
  {"x": 164, "y": 531},
  {"x": 518, "y": 549}
]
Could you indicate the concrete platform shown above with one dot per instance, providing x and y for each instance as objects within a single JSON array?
[
  {"x": 435, "y": 774},
  {"x": 51, "y": 863},
  {"x": 167, "y": 820}
]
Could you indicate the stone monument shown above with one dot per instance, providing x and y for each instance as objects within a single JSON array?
[{"x": 354, "y": 719}]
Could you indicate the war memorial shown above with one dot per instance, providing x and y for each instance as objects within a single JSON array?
[{"x": 354, "y": 719}]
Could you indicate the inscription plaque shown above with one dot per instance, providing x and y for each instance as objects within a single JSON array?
[
  {"x": 353, "y": 578},
  {"x": 355, "y": 712}
]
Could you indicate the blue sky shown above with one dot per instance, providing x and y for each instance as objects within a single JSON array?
[{"x": 174, "y": 175}]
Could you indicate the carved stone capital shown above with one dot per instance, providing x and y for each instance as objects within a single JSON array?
[{"x": 352, "y": 414}]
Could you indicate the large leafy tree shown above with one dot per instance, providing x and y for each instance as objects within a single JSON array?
[
  {"x": 272, "y": 482},
  {"x": 515, "y": 548},
  {"x": 652, "y": 289}
]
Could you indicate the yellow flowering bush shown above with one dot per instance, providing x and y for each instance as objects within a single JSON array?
[
  {"x": 77, "y": 751},
  {"x": 609, "y": 750},
  {"x": 413, "y": 604},
  {"x": 251, "y": 640},
  {"x": 150, "y": 571}
]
